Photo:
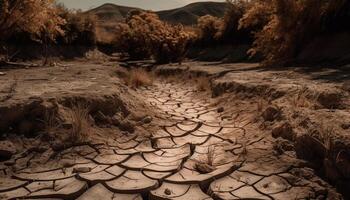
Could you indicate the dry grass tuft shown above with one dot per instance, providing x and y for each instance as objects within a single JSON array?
[
  {"x": 139, "y": 77},
  {"x": 326, "y": 131},
  {"x": 207, "y": 166},
  {"x": 79, "y": 115},
  {"x": 51, "y": 123},
  {"x": 301, "y": 100}
]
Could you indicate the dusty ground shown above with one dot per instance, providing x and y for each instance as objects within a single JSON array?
[{"x": 173, "y": 140}]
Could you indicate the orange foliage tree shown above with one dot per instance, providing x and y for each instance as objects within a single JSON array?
[
  {"x": 144, "y": 35},
  {"x": 209, "y": 28},
  {"x": 36, "y": 17},
  {"x": 287, "y": 25}
]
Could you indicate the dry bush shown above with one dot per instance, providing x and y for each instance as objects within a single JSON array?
[
  {"x": 145, "y": 35},
  {"x": 79, "y": 114},
  {"x": 287, "y": 25},
  {"x": 38, "y": 19},
  {"x": 80, "y": 28},
  {"x": 138, "y": 78},
  {"x": 229, "y": 30},
  {"x": 209, "y": 27}
]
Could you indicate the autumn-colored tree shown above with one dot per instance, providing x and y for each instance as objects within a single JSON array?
[
  {"x": 229, "y": 30},
  {"x": 39, "y": 18},
  {"x": 287, "y": 25},
  {"x": 144, "y": 35},
  {"x": 79, "y": 29},
  {"x": 209, "y": 28}
]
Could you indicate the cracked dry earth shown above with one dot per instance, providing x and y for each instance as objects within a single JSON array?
[{"x": 199, "y": 153}]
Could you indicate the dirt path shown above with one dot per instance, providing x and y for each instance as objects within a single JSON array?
[{"x": 200, "y": 152}]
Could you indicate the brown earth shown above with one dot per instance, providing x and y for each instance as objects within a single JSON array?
[{"x": 201, "y": 131}]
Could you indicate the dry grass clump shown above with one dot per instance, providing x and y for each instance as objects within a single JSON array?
[
  {"x": 139, "y": 77},
  {"x": 302, "y": 99},
  {"x": 79, "y": 114},
  {"x": 207, "y": 166},
  {"x": 51, "y": 123}
]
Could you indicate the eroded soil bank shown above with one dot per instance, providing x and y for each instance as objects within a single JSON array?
[{"x": 239, "y": 137}]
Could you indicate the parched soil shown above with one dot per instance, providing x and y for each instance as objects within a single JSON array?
[{"x": 240, "y": 137}]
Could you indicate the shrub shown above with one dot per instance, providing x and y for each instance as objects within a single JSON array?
[
  {"x": 209, "y": 27},
  {"x": 229, "y": 28},
  {"x": 145, "y": 35},
  {"x": 80, "y": 28},
  {"x": 287, "y": 25},
  {"x": 39, "y": 19}
]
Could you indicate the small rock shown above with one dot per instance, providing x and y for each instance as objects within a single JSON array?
[
  {"x": 26, "y": 127},
  {"x": 67, "y": 163},
  {"x": 221, "y": 109},
  {"x": 82, "y": 170},
  {"x": 9, "y": 163},
  {"x": 147, "y": 120},
  {"x": 2, "y": 73},
  {"x": 7, "y": 150},
  {"x": 167, "y": 191},
  {"x": 310, "y": 149},
  {"x": 345, "y": 126},
  {"x": 343, "y": 163},
  {"x": 115, "y": 120},
  {"x": 127, "y": 126},
  {"x": 282, "y": 146},
  {"x": 204, "y": 168},
  {"x": 285, "y": 131},
  {"x": 330, "y": 169},
  {"x": 330, "y": 100},
  {"x": 271, "y": 113}
]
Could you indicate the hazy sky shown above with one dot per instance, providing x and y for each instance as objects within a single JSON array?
[{"x": 145, "y": 4}]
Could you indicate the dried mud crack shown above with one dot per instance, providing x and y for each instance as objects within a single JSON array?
[{"x": 196, "y": 154}]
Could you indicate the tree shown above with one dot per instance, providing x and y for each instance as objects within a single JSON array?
[
  {"x": 144, "y": 35},
  {"x": 35, "y": 17}
]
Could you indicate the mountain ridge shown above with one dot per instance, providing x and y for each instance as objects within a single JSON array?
[{"x": 186, "y": 15}]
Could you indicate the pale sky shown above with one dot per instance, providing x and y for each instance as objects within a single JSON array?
[{"x": 144, "y": 4}]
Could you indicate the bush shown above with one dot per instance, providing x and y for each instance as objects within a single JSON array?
[
  {"x": 229, "y": 29},
  {"x": 80, "y": 28},
  {"x": 209, "y": 27},
  {"x": 214, "y": 31},
  {"x": 144, "y": 35},
  {"x": 44, "y": 23},
  {"x": 287, "y": 25}
]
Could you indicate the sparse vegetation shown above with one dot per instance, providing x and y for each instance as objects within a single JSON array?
[
  {"x": 206, "y": 166},
  {"x": 139, "y": 77},
  {"x": 79, "y": 115}
]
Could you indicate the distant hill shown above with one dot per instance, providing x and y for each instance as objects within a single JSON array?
[
  {"x": 110, "y": 12},
  {"x": 186, "y": 15},
  {"x": 189, "y": 14}
]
